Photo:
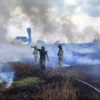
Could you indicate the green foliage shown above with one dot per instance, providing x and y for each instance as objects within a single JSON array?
[
  {"x": 2, "y": 83},
  {"x": 26, "y": 81}
]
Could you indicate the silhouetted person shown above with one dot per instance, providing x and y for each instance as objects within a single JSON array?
[
  {"x": 35, "y": 53},
  {"x": 60, "y": 55},
  {"x": 43, "y": 56}
]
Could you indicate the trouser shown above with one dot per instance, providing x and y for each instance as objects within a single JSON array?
[
  {"x": 42, "y": 64},
  {"x": 60, "y": 62},
  {"x": 36, "y": 59}
]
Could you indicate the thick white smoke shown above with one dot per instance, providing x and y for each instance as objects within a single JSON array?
[
  {"x": 15, "y": 52},
  {"x": 70, "y": 21},
  {"x": 49, "y": 18},
  {"x": 6, "y": 74},
  {"x": 74, "y": 54}
]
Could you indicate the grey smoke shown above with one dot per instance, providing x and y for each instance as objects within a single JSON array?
[
  {"x": 48, "y": 18},
  {"x": 90, "y": 6},
  {"x": 6, "y": 74},
  {"x": 6, "y": 7}
]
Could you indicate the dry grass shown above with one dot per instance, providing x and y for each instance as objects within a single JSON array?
[
  {"x": 22, "y": 70},
  {"x": 54, "y": 87},
  {"x": 75, "y": 73},
  {"x": 26, "y": 81},
  {"x": 56, "y": 91}
]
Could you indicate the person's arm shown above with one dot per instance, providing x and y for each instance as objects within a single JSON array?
[
  {"x": 32, "y": 46},
  {"x": 35, "y": 48}
]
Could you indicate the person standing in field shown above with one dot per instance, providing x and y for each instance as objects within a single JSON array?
[
  {"x": 43, "y": 56},
  {"x": 35, "y": 53},
  {"x": 60, "y": 55}
]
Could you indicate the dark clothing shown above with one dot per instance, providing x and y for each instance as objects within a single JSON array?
[
  {"x": 43, "y": 54},
  {"x": 42, "y": 64},
  {"x": 60, "y": 56}
]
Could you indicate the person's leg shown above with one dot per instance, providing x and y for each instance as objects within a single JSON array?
[
  {"x": 60, "y": 62},
  {"x": 36, "y": 59},
  {"x": 43, "y": 64}
]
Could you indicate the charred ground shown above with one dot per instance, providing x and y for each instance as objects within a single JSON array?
[{"x": 31, "y": 83}]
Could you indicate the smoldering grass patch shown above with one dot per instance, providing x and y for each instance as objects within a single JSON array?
[
  {"x": 7, "y": 77},
  {"x": 26, "y": 81},
  {"x": 2, "y": 84}
]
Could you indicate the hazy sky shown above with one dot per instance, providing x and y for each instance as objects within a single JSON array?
[{"x": 50, "y": 20}]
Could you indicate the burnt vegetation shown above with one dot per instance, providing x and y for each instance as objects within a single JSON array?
[{"x": 45, "y": 85}]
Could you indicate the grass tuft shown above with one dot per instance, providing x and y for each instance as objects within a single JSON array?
[{"x": 26, "y": 81}]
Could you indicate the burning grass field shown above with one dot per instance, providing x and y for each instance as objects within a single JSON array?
[{"x": 30, "y": 83}]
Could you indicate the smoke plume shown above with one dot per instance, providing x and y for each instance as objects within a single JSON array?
[
  {"x": 47, "y": 18},
  {"x": 6, "y": 74}
]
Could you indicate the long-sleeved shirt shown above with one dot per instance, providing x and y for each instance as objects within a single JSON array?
[{"x": 43, "y": 54}]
